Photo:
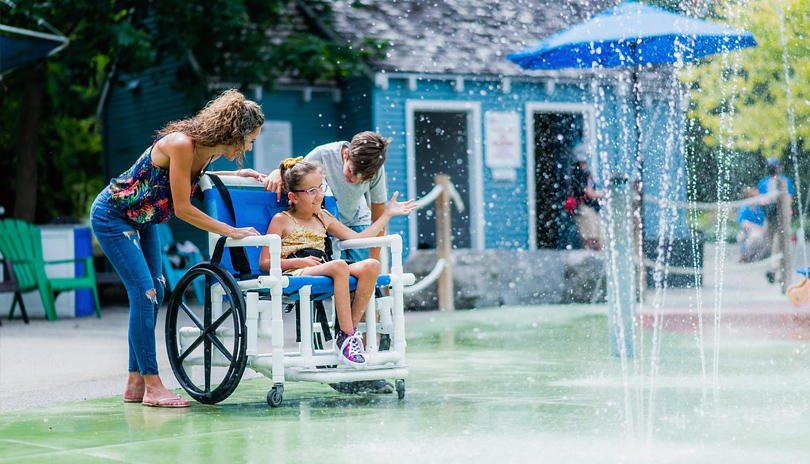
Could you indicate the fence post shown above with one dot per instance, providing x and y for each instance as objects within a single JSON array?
[
  {"x": 783, "y": 231},
  {"x": 444, "y": 244}
]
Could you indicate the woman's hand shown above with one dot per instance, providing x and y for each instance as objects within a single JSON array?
[
  {"x": 251, "y": 173},
  {"x": 395, "y": 208},
  {"x": 309, "y": 261},
  {"x": 272, "y": 183},
  {"x": 242, "y": 232}
]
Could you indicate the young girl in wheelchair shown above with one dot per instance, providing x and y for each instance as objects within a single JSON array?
[{"x": 303, "y": 226}]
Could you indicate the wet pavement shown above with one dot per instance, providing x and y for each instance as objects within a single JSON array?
[
  {"x": 508, "y": 384},
  {"x": 526, "y": 384}
]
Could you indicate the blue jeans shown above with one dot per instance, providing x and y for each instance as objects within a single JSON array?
[
  {"x": 134, "y": 251},
  {"x": 356, "y": 254}
]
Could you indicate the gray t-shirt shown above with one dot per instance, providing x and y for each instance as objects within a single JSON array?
[{"x": 351, "y": 201}]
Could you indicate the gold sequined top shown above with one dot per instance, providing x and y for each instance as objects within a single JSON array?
[{"x": 302, "y": 237}]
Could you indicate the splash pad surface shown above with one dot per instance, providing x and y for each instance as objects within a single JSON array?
[{"x": 504, "y": 384}]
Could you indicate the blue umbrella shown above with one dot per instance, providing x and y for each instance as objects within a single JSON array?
[{"x": 632, "y": 34}]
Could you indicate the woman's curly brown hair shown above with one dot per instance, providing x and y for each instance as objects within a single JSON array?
[{"x": 227, "y": 120}]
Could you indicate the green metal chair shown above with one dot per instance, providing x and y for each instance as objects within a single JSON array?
[{"x": 21, "y": 243}]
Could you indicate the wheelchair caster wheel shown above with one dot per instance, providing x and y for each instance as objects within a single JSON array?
[
  {"x": 274, "y": 396},
  {"x": 400, "y": 389}
]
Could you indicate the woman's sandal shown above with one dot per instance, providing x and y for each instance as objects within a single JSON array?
[
  {"x": 169, "y": 402},
  {"x": 138, "y": 399}
]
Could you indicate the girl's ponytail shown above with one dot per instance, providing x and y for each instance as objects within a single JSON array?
[{"x": 284, "y": 168}]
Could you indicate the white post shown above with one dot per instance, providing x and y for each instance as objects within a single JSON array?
[
  {"x": 304, "y": 299},
  {"x": 276, "y": 313},
  {"x": 399, "y": 306},
  {"x": 252, "y": 324},
  {"x": 371, "y": 326}
]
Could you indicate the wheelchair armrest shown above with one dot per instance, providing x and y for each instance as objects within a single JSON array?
[
  {"x": 371, "y": 242},
  {"x": 393, "y": 241},
  {"x": 270, "y": 240}
]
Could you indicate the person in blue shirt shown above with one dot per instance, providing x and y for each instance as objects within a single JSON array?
[
  {"x": 752, "y": 236},
  {"x": 767, "y": 185}
]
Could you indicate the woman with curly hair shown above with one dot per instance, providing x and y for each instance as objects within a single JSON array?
[{"x": 125, "y": 214}]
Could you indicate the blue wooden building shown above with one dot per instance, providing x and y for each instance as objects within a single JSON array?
[{"x": 452, "y": 103}]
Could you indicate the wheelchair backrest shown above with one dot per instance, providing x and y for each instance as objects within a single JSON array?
[{"x": 252, "y": 206}]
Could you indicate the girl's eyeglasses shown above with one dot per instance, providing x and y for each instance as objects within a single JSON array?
[{"x": 314, "y": 190}]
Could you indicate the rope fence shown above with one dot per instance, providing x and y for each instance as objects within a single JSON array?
[
  {"x": 443, "y": 193},
  {"x": 761, "y": 264},
  {"x": 755, "y": 200},
  {"x": 779, "y": 231}
]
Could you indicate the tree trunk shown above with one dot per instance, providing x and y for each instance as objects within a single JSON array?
[{"x": 25, "y": 204}]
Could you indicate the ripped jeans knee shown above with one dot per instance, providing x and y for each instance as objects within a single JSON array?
[
  {"x": 157, "y": 293},
  {"x": 152, "y": 295}
]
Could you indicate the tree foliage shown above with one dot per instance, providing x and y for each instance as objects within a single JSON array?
[
  {"x": 236, "y": 41},
  {"x": 743, "y": 99}
]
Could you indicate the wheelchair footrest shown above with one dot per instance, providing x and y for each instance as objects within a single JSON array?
[{"x": 343, "y": 374}]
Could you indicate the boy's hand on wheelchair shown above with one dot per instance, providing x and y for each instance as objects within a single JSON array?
[
  {"x": 396, "y": 208},
  {"x": 242, "y": 232},
  {"x": 272, "y": 183},
  {"x": 309, "y": 261}
]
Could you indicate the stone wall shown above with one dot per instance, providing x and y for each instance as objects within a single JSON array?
[{"x": 512, "y": 277}]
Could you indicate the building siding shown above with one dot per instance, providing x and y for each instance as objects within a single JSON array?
[
  {"x": 505, "y": 204},
  {"x": 356, "y": 111}
]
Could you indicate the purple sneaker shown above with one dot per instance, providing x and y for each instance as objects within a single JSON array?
[{"x": 351, "y": 348}]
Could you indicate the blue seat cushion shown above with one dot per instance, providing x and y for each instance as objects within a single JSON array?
[{"x": 322, "y": 287}]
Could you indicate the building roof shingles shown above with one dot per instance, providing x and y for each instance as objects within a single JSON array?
[{"x": 470, "y": 37}]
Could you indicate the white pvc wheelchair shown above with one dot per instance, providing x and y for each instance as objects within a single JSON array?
[{"x": 210, "y": 345}]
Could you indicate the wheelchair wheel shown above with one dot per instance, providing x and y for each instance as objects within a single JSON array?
[
  {"x": 206, "y": 343},
  {"x": 401, "y": 388}
]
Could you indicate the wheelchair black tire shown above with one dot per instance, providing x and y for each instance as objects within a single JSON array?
[{"x": 213, "y": 274}]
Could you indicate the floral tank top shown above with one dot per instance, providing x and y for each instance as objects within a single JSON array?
[
  {"x": 144, "y": 193},
  {"x": 302, "y": 237}
]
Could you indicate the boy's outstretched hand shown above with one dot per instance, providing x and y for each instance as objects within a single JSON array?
[{"x": 396, "y": 208}]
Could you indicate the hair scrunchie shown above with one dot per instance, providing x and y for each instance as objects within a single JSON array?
[{"x": 290, "y": 162}]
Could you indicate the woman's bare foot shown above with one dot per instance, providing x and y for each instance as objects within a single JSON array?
[
  {"x": 155, "y": 394},
  {"x": 135, "y": 388}
]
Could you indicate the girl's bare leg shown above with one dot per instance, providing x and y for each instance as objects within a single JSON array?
[
  {"x": 366, "y": 272},
  {"x": 338, "y": 271}
]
